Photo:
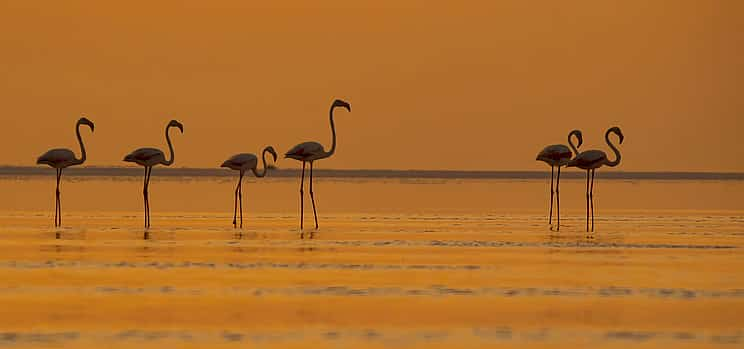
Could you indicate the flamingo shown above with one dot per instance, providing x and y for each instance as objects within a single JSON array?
[
  {"x": 590, "y": 161},
  {"x": 311, "y": 151},
  {"x": 557, "y": 155},
  {"x": 149, "y": 157},
  {"x": 244, "y": 162},
  {"x": 62, "y": 158}
]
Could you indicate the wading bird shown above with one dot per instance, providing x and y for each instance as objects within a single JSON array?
[
  {"x": 244, "y": 162},
  {"x": 63, "y": 158},
  {"x": 590, "y": 161},
  {"x": 149, "y": 157},
  {"x": 557, "y": 155},
  {"x": 309, "y": 152}
]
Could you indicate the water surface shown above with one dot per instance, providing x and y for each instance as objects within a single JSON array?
[{"x": 396, "y": 263}]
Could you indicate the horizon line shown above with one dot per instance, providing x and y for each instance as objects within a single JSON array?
[{"x": 120, "y": 171}]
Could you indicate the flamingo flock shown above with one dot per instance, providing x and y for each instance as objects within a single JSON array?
[{"x": 556, "y": 156}]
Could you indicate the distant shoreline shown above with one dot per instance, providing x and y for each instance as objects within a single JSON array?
[{"x": 22, "y": 171}]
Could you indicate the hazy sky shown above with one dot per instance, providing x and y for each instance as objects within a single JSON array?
[{"x": 433, "y": 84}]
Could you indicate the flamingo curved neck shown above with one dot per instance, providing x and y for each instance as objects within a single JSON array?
[
  {"x": 571, "y": 144},
  {"x": 263, "y": 158},
  {"x": 333, "y": 132},
  {"x": 170, "y": 147},
  {"x": 82, "y": 146},
  {"x": 614, "y": 149}
]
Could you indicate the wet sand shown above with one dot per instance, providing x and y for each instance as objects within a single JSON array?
[{"x": 391, "y": 266}]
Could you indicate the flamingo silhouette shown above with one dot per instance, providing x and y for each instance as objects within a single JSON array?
[
  {"x": 557, "y": 155},
  {"x": 149, "y": 157},
  {"x": 244, "y": 162},
  {"x": 310, "y": 152},
  {"x": 62, "y": 158},
  {"x": 590, "y": 161}
]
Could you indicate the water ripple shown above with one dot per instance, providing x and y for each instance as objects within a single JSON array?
[{"x": 431, "y": 291}]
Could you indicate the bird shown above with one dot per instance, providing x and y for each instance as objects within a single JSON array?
[
  {"x": 590, "y": 161},
  {"x": 149, "y": 157},
  {"x": 557, "y": 155},
  {"x": 62, "y": 158},
  {"x": 244, "y": 162},
  {"x": 309, "y": 152}
]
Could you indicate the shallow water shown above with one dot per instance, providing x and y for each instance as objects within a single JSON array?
[{"x": 396, "y": 263}]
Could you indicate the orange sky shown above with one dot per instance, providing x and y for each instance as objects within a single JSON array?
[{"x": 433, "y": 85}]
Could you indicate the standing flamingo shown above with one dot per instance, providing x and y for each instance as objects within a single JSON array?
[
  {"x": 309, "y": 152},
  {"x": 63, "y": 158},
  {"x": 557, "y": 155},
  {"x": 590, "y": 161},
  {"x": 149, "y": 157},
  {"x": 244, "y": 162}
]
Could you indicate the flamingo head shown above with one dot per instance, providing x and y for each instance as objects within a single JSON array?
[
  {"x": 340, "y": 103},
  {"x": 175, "y": 123},
  {"x": 271, "y": 150},
  {"x": 85, "y": 121},
  {"x": 616, "y": 130}
]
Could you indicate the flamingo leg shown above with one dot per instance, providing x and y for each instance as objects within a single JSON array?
[
  {"x": 235, "y": 204},
  {"x": 588, "y": 172},
  {"x": 312, "y": 195},
  {"x": 57, "y": 208},
  {"x": 558, "y": 199},
  {"x": 144, "y": 196},
  {"x": 302, "y": 195},
  {"x": 552, "y": 169},
  {"x": 240, "y": 197},
  {"x": 149, "y": 175},
  {"x": 59, "y": 198},
  {"x": 591, "y": 198}
]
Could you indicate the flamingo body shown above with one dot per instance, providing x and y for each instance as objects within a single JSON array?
[
  {"x": 147, "y": 157},
  {"x": 307, "y": 151},
  {"x": 58, "y": 158},
  {"x": 241, "y": 162},
  {"x": 555, "y": 155},
  {"x": 588, "y": 160}
]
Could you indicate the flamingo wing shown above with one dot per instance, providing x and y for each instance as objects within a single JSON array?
[
  {"x": 556, "y": 154},
  {"x": 146, "y": 156},
  {"x": 57, "y": 158},
  {"x": 589, "y": 159},
  {"x": 241, "y": 162},
  {"x": 304, "y": 151}
]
